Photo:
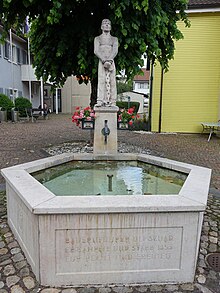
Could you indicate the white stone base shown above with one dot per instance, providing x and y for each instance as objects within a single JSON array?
[
  {"x": 100, "y": 240},
  {"x": 102, "y": 114}
]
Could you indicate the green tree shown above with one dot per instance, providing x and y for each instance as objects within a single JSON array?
[
  {"x": 123, "y": 87},
  {"x": 63, "y": 31}
]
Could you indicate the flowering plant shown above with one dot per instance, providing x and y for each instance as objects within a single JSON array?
[
  {"x": 80, "y": 114},
  {"x": 127, "y": 116}
]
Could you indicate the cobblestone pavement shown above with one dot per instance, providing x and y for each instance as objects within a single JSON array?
[{"x": 23, "y": 142}]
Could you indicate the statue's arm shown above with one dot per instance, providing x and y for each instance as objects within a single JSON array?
[{"x": 97, "y": 50}]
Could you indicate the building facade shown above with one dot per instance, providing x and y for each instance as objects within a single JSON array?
[
  {"x": 18, "y": 79},
  {"x": 191, "y": 87}
]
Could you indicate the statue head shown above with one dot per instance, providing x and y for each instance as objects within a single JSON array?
[{"x": 106, "y": 25}]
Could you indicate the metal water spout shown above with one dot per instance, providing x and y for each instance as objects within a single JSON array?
[
  {"x": 106, "y": 131},
  {"x": 110, "y": 182}
]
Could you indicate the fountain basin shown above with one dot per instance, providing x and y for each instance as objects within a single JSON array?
[{"x": 81, "y": 240}]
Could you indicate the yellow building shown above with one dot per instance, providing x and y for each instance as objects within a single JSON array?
[{"x": 191, "y": 88}]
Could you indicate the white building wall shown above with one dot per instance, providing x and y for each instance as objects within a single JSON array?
[{"x": 75, "y": 95}]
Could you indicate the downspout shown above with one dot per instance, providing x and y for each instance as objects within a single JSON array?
[{"x": 161, "y": 99}]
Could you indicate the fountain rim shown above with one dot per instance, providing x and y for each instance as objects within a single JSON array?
[{"x": 38, "y": 199}]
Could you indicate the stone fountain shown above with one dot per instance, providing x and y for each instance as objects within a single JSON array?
[{"x": 100, "y": 240}]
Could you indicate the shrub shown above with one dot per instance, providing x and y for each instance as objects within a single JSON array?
[
  {"x": 5, "y": 103},
  {"x": 22, "y": 104},
  {"x": 125, "y": 105}
]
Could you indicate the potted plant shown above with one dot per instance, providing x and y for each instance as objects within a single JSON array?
[
  {"x": 126, "y": 118},
  {"x": 22, "y": 105},
  {"x": 5, "y": 107},
  {"x": 84, "y": 117}
]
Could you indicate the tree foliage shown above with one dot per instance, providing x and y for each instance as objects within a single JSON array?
[
  {"x": 63, "y": 31},
  {"x": 123, "y": 87}
]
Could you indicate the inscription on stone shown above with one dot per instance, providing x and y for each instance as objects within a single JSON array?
[{"x": 90, "y": 250}]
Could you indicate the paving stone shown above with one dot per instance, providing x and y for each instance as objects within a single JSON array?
[
  {"x": 212, "y": 274},
  {"x": 8, "y": 234},
  {"x": 13, "y": 244},
  {"x": 29, "y": 282},
  {"x": 213, "y": 239},
  {"x": 171, "y": 288},
  {"x": 203, "y": 289},
  {"x": 121, "y": 290},
  {"x": 20, "y": 264},
  {"x": 202, "y": 263},
  {"x": 9, "y": 239},
  {"x": 200, "y": 270},
  {"x": 24, "y": 272},
  {"x": 104, "y": 290},
  {"x": 3, "y": 251},
  {"x": 71, "y": 291},
  {"x": 4, "y": 257},
  {"x": 142, "y": 288},
  {"x": 3, "y": 291},
  {"x": 215, "y": 234},
  {"x": 17, "y": 257},
  {"x": 1, "y": 284},
  {"x": 6, "y": 262},
  {"x": 12, "y": 280},
  {"x": 2, "y": 244},
  {"x": 201, "y": 279},
  {"x": 50, "y": 290},
  {"x": 9, "y": 270},
  {"x": 17, "y": 289},
  {"x": 86, "y": 290},
  {"x": 156, "y": 288},
  {"x": 213, "y": 247},
  {"x": 15, "y": 250},
  {"x": 189, "y": 287}
]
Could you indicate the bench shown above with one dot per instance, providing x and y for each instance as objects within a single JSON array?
[
  {"x": 36, "y": 113},
  {"x": 211, "y": 128}
]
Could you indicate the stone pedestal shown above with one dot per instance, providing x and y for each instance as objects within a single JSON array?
[{"x": 100, "y": 146}]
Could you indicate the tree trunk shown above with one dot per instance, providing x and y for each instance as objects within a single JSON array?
[{"x": 93, "y": 97}]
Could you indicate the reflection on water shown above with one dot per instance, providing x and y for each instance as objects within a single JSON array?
[{"x": 91, "y": 178}]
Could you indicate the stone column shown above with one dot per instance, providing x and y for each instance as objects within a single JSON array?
[{"x": 100, "y": 146}]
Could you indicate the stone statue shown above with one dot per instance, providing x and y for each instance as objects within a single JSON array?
[{"x": 106, "y": 48}]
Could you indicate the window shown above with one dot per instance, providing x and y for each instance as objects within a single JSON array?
[
  {"x": 14, "y": 54},
  {"x": 19, "y": 93},
  {"x": 7, "y": 92},
  {"x": 0, "y": 50},
  {"x": 24, "y": 57},
  {"x": 12, "y": 94},
  {"x": 143, "y": 85},
  {"x": 6, "y": 50},
  {"x": 1, "y": 90},
  {"x": 18, "y": 55}
]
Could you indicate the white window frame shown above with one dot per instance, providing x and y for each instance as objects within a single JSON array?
[{"x": 14, "y": 54}]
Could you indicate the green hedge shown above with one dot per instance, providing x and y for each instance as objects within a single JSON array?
[
  {"x": 5, "y": 103},
  {"x": 124, "y": 105},
  {"x": 22, "y": 104}
]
